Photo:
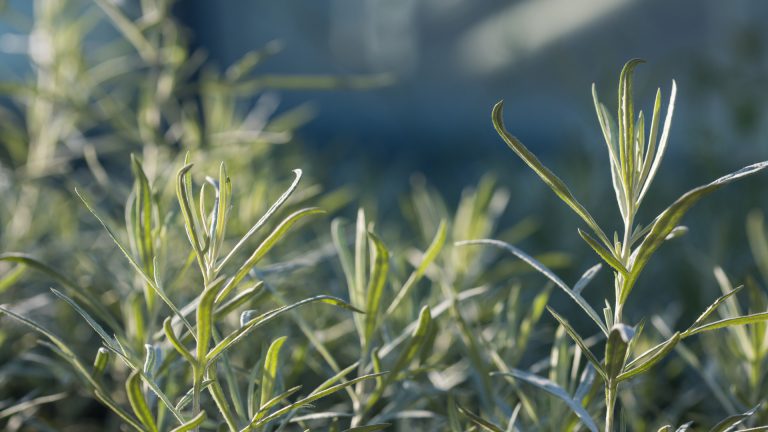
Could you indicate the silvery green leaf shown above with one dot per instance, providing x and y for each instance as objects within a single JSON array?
[
  {"x": 668, "y": 219},
  {"x": 557, "y": 391},
  {"x": 549, "y": 178},
  {"x": 546, "y": 272}
]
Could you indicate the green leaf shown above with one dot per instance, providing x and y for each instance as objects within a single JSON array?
[
  {"x": 26, "y": 404},
  {"x": 361, "y": 256},
  {"x": 606, "y": 124},
  {"x": 77, "y": 292},
  {"x": 108, "y": 340},
  {"x": 171, "y": 336},
  {"x": 648, "y": 359},
  {"x": 479, "y": 421},
  {"x": 264, "y": 409},
  {"x": 580, "y": 342},
  {"x": 546, "y": 272},
  {"x": 604, "y": 253},
  {"x": 100, "y": 362},
  {"x": 142, "y": 217},
  {"x": 204, "y": 324},
  {"x": 453, "y": 415},
  {"x": 217, "y": 394},
  {"x": 339, "y": 376},
  {"x": 275, "y": 206},
  {"x": 186, "y": 202},
  {"x": 549, "y": 178},
  {"x": 148, "y": 279},
  {"x": 356, "y": 296},
  {"x": 262, "y": 319},
  {"x": 378, "y": 279},
  {"x": 742, "y": 320},
  {"x": 669, "y": 219},
  {"x": 557, "y": 391},
  {"x": 415, "y": 344},
  {"x": 616, "y": 349},
  {"x": 221, "y": 212},
  {"x": 192, "y": 424},
  {"x": 269, "y": 373},
  {"x": 63, "y": 349},
  {"x": 649, "y": 173},
  {"x": 137, "y": 401},
  {"x": 307, "y": 400},
  {"x": 407, "y": 354},
  {"x": 586, "y": 278},
  {"x": 626, "y": 117},
  {"x": 429, "y": 256},
  {"x": 713, "y": 307},
  {"x": 730, "y": 422},
  {"x": 264, "y": 247}
]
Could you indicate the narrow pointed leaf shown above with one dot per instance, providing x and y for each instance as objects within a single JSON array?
[
  {"x": 580, "y": 342},
  {"x": 307, "y": 400},
  {"x": 429, "y": 256},
  {"x": 269, "y": 373},
  {"x": 728, "y": 322},
  {"x": 546, "y": 272},
  {"x": 262, "y": 319},
  {"x": 63, "y": 349},
  {"x": 376, "y": 283},
  {"x": 277, "y": 204},
  {"x": 479, "y": 421},
  {"x": 662, "y": 147},
  {"x": 264, "y": 247},
  {"x": 713, "y": 307},
  {"x": 729, "y": 423},
  {"x": 557, "y": 391},
  {"x": 586, "y": 278},
  {"x": 186, "y": 203},
  {"x": 137, "y": 401},
  {"x": 549, "y": 178},
  {"x": 648, "y": 359},
  {"x": 616, "y": 349},
  {"x": 147, "y": 278},
  {"x": 669, "y": 219},
  {"x": 74, "y": 290},
  {"x": 109, "y": 340},
  {"x": 604, "y": 253},
  {"x": 264, "y": 409},
  {"x": 142, "y": 219},
  {"x": 192, "y": 424}
]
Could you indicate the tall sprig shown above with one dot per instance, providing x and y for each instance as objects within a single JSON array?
[{"x": 633, "y": 166}]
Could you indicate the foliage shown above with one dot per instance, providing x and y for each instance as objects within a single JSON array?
[{"x": 183, "y": 302}]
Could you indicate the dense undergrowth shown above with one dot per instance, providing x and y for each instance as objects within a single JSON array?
[{"x": 223, "y": 288}]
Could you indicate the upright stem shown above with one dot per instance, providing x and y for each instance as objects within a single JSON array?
[
  {"x": 611, "y": 386},
  {"x": 197, "y": 388},
  {"x": 610, "y": 405}
]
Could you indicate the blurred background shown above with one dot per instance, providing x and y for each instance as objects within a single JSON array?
[
  {"x": 450, "y": 60},
  {"x": 373, "y": 98}
]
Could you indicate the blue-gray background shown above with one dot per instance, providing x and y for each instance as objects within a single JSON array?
[{"x": 453, "y": 59}]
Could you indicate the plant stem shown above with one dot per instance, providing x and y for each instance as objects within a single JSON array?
[
  {"x": 197, "y": 388},
  {"x": 610, "y": 404}
]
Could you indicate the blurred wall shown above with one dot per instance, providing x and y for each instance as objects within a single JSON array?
[{"x": 454, "y": 58}]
